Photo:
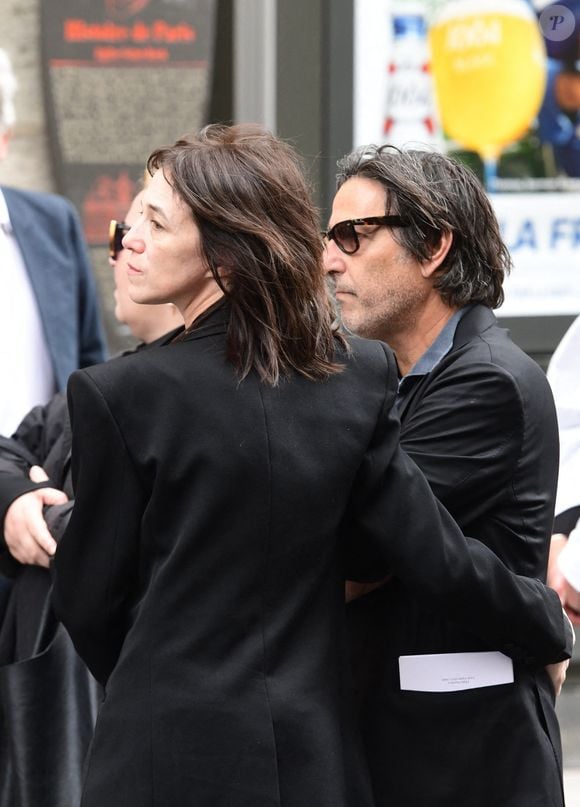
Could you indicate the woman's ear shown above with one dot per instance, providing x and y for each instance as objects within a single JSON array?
[{"x": 219, "y": 276}]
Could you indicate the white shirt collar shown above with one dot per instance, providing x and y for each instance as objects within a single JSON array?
[{"x": 4, "y": 215}]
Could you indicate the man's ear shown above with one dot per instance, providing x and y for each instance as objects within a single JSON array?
[
  {"x": 430, "y": 266},
  {"x": 4, "y": 139}
]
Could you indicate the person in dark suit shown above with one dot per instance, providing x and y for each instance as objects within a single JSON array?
[
  {"x": 218, "y": 479},
  {"x": 50, "y": 322},
  {"x": 478, "y": 418}
]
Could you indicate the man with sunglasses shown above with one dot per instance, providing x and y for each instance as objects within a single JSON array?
[{"x": 415, "y": 257}]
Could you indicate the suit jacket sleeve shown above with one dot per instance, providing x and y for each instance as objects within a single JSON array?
[
  {"x": 96, "y": 563},
  {"x": 467, "y": 459},
  {"x": 37, "y": 435},
  {"x": 395, "y": 513}
]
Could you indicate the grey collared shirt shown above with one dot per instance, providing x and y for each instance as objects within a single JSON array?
[{"x": 431, "y": 358}]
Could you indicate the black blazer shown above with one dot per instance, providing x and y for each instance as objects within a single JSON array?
[
  {"x": 482, "y": 427},
  {"x": 200, "y": 575}
]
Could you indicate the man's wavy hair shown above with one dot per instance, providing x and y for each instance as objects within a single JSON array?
[
  {"x": 248, "y": 195},
  {"x": 438, "y": 194}
]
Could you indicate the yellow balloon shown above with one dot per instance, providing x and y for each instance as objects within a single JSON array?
[{"x": 489, "y": 71}]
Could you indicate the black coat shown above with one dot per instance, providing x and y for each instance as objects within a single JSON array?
[
  {"x": 200, "y": 575},
  {"x": 48, "y": 698},
  {"x": 482, "y": 427}
]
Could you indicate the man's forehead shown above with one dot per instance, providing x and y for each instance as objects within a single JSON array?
[{"x": 358, "y": 197}]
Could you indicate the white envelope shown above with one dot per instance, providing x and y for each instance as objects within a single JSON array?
[{"x": 449, "y": 672}]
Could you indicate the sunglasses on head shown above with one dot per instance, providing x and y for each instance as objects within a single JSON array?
[
  {"x": 345, "y": 236},
  {"x": 117, "y": 230}
]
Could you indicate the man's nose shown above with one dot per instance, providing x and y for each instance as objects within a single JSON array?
[{"x": 332, "y": 259}]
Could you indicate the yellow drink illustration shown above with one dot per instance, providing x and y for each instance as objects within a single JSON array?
[{"x": 488, "y": 62}]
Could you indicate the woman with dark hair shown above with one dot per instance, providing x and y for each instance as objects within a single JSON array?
[{"x": 218, "y": 478}]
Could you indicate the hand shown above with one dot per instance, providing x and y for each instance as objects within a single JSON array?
[
  {"x": 556, "y": 579},
  {"x": 557, "y": 673},
  {"x": 37, "y": 474},
  {"x": 569, "y": 597},
  {"x": 571, "y": 601},
  {"x": 25, "y": 531}
]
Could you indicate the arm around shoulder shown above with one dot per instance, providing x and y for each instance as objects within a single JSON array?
[{"x": 394, "y": 510}]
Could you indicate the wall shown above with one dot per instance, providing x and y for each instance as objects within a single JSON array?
[{"x": 28, "y": 164}]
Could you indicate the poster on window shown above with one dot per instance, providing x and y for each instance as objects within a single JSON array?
[
  {"x": 122, "y": 77},
  {"x": 495, "y": 83}
]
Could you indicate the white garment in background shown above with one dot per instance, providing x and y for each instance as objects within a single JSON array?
[
  {"x": 26, "y": 373},
  {"x": 569, "y": 558},
  {"x": 564, "y": 378}
]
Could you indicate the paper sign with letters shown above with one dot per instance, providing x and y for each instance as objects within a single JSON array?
[{"x": 449, "y": 672}]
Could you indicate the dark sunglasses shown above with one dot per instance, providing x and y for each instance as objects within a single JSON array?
[
  {"x": 345, "y": 236},
  {"x": 117, "y": 231}
]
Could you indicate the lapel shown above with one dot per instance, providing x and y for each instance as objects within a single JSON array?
[
  {"x": 478, "y": 319},
  {"x": 53, "y": 282},
  {"x": 28, "y": 236}
]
